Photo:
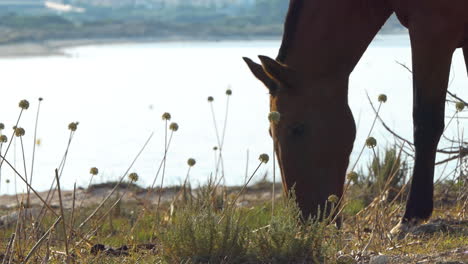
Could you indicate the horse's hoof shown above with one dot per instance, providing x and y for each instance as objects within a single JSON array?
[{"x": 405, "y": 227}]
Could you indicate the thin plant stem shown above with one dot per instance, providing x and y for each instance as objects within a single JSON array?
[
  {"x": 1, "y": 145},
  {"x": 242, "y": 189},
  {"x": 117, "y": 185},
  {"x": 164, "y": 166},
  {"x": 184, "y": 187},
  {"x": 12, "y": 135},
  {"x": 100, "y": 221},
  {"x": 274, "y": 183},
  {"x": 348, "y": 183},
  {"x": 225, "y": 120},
  {"x": 160, "y": 166},
  {"x": 368, "y": 135},
  {"x": 8, "y": 249},
  {"x": 61, "y": 166},
  {"x": 41, "y": 240},
  {"x": 15, "y": 238},
  {"x": 163, "y": 173},
  {"x": 33, "y": 158},
  {"x": 215, "y": 151},
  {"x": 51, "y": 192},
  {"x": 223, "y": 137},
  {"x": 62, "y": 214},
  {"x": 86, "y": 193},
  {"x": 220, "y": 161},
  {"x": 450, "y": 121},
  {"x": 14, "y": 164},
  {"x": 215, "y": 124},
  {"x": 47, "y": 205},
  {"x": 247, "y": 183},
  {"x": 148, "y": 193},
  {"x": 246, "y": 168},
  {"x": 8, "y": 148},
  {"x": 72, "y": 217},
  {"x": 378, "y": 162},
  {"x": 25, "y": 172},
  {"x": 187, "y": 178},
  {"x": 217, "y": 138}
]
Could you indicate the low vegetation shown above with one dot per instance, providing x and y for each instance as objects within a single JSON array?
[{"x": 221, "y": 224}]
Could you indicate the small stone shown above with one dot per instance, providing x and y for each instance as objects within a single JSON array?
[{"x": 380, "y": 259}]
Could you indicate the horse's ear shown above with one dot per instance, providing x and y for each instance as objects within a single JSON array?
[
  {"x": 277, "y": 71},
  {"x": 258, "y": 71}
]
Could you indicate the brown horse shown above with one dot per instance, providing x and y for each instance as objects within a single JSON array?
[{"x": 308, "y": 83}]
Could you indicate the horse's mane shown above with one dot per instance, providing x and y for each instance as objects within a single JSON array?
[{"x": 292, "y": 19}]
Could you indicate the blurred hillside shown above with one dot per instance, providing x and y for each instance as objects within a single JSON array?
[{"x": 38, "y": 20}]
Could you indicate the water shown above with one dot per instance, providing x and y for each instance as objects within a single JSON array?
[{"x": 119, "y": 92}]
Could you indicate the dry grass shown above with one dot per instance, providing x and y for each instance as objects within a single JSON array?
[{"x": 221, "y": 224}]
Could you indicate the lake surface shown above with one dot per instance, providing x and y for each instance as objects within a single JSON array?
[{"x": 119, "y": 92}]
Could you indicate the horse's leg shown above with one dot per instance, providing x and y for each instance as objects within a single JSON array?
[{"x": 432, "y": 50}]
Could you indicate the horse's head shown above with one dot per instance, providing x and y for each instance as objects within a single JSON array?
[{"x": 315, "y": 133}]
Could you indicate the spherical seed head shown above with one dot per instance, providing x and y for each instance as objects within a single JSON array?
[
  {"x": 215, "y": 148},
  {"x": 333, "y": 199},
  {"x": 7, "y": 181},
  {"x": 24, "y": 104},
  {"x": 94, "y": 171},
  {"x": 352, "y": 176},
  {"x": 3, "y": 139},
  {"x": 274, "y": 117},
  {"x": 174, "y": 127},
  {"x": 460, "y": 106},
  {"x": 371, "y": 142},
  {"x": 264, "y": 158},
  {"x": 228, "y": 92},
  {"x": 166, "y": 116},
  {"x": 191, "y": 162},
  {"x": 382, "y": 98},
  {"x": 19, "y": 132},
  {"x": 73, "y": 126},
  {"x": 133, "y": 177},
  {"x": 210, "y": 99},
  {"x": 40, "y": 99},
  {"x": 2, "y": 126}
]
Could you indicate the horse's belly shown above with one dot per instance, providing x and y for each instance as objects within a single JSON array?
[{"x": 454, "y": 12}]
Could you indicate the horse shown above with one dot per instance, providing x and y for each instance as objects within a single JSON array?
[{"x": 323, "y": 41}]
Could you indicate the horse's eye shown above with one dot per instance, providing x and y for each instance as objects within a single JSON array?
[{"x": 297, "y": 130}]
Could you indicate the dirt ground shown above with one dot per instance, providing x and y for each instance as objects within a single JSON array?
[{"x": 96, "y": 194}]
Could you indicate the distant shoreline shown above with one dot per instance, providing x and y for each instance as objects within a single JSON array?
[{"x": 57, "y": 47}]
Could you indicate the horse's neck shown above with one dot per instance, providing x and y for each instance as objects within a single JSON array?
[{"x": 330, "y": 36}]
